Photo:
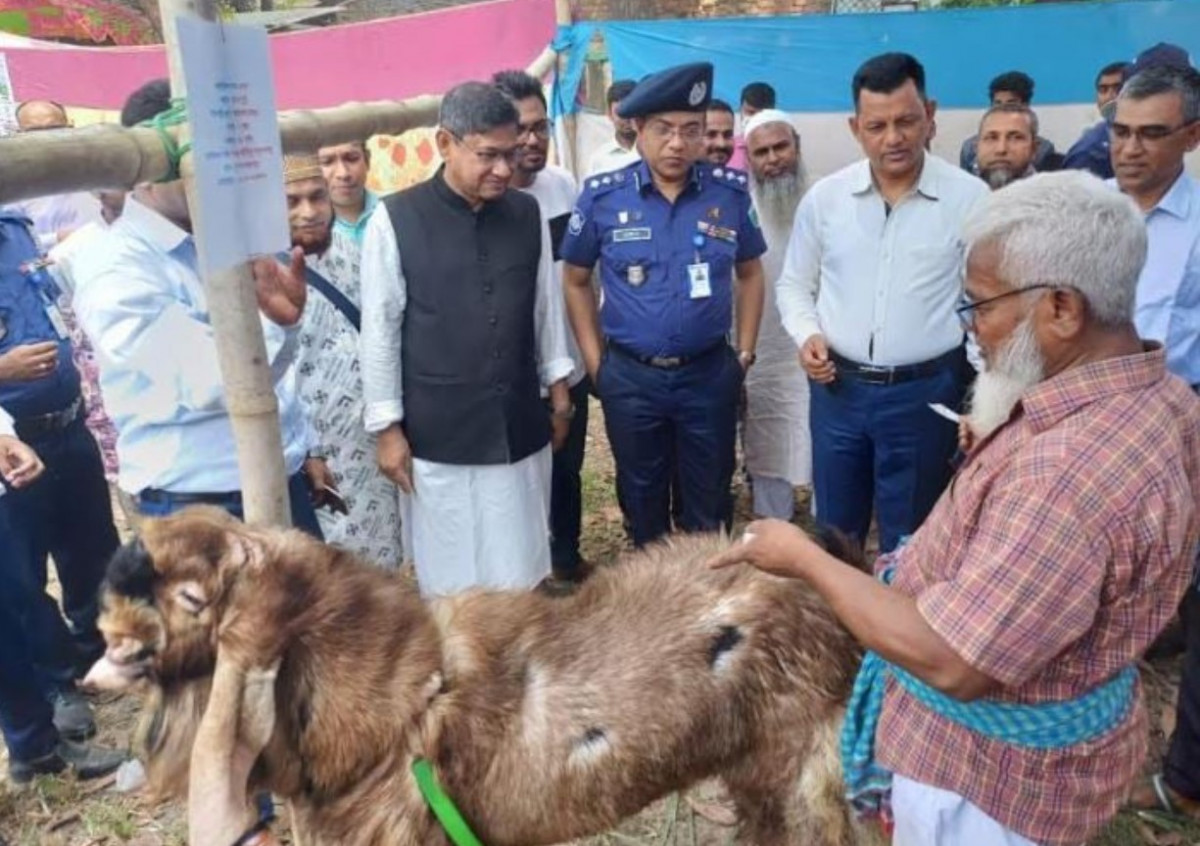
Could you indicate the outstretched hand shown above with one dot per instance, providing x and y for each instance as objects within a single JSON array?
[
  {"x": 773, "y": 546},
  {"x": 281, "y": 291}
]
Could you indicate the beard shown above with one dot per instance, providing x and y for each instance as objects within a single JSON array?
[
  {"x": 778, "y": 197},
  {"x": 999, "y": 176},
  {"x": 1017, "y": 368},
  {"x": 314, "y": 242}
]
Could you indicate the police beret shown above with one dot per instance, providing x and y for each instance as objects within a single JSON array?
[
  {"x": 1158, "y": 56},
  {"x": 684, "y": 88}
]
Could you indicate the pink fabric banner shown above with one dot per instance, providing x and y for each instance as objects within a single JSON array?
[{"x": 379, "y": 60}]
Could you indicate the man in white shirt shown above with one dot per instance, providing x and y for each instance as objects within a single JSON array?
[
  {"x": 622, "y": 150},
  {"x": 57, "y": 216},
  {"x": 873, "y": 274},
  {"x": 775, "y": 438},
  {"x": 555, "y": 190},
  {"x": 140, "y": 300},
  {"x": 461, "y": 330}
]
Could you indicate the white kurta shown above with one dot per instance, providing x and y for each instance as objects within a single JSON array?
[
  {"x": 776, "y": 433},
  {"x": 330, "y": 384},
  {"x": 470, "y": 525}
]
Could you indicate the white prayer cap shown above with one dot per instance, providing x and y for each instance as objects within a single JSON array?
[{"x": 763, "y": 118}]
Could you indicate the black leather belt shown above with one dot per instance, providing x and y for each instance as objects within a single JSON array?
[
  {"x": 160, "y": 497},
  {"x": 666, "y": 362},
  {"x": 38, "y": 426},
  {"x": 872, "y": 374}
]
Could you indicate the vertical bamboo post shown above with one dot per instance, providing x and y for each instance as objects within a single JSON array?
[{"x": 233, "y": 310}]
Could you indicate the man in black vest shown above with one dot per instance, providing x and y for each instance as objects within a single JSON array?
[{"x": 460, "y": 332}]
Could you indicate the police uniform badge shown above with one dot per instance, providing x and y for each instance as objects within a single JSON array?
[
  {"x": 698, "y": 93},
  {"x": 635, "y": 275},
  {"x": 715, "y": 213},
  {"x": 623, "y": 217},
  {"x": 575, "y": 225}
]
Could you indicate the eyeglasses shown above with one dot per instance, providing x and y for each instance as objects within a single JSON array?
[
  {"x": 490, "y": 158},
  {"x": 541, "y": 130},
  {"x": 660, "y": 131},
  {"x": 1151, "y": 135},
  {"x": 966, "y": 311}
]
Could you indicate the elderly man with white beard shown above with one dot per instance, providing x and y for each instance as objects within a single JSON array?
[
  {"x": 775, "y": 436},
  {"x": 999, "y": 701}
]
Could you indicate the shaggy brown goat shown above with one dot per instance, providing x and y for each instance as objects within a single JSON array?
[{"x": 546, "y": 719}]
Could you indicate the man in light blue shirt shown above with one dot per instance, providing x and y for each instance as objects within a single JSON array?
[
  {"x": 346, "y": 167},
  {"x": 1157, "y": 123},
  {"x": 141, "y": 301}
]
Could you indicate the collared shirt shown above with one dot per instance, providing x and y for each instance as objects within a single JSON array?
[
  {"x": 612, "y": 156},
  {"x": 384, "y": 298},
  {"x": 6, "y": 424},
  {"x": 1091, "y": 152},
  {"x": 646, "y": 246},
  {"x": 28, "y": 316},
  {"x": 357, "y": 230},
  {"x": 140, "y": 300},
  {"x": 1168, "y": 293},
  {"x": 1057, "y": 555},
  {"x": 59, "y": 213},
  {"x": 880, "y": 283}
]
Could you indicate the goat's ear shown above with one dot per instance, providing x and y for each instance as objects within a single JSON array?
[
  {"x": 192, "y": 596},
  {"x": 245, "y": 550}
]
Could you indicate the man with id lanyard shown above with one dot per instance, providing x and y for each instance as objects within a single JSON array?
[
  {"x": 669, "y": 235},
  {"x": 67, "y": 513}
]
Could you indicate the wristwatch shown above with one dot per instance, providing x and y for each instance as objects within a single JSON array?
[{"x": 746, "y": 358}]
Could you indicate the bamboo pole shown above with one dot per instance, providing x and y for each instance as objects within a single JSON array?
[
  {"x": 237, "y": 330},
  {"x": 97, "y": 157}
]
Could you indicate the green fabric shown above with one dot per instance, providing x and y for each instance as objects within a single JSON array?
[{"x": 443, "y": 808}]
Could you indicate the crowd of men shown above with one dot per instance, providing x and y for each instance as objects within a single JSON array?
[{"x": 995, "y": 370}]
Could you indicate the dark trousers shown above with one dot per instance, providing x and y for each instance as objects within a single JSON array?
[
  {"x": 665, "y": 423},
  {"x": 66, "y": 514},
  {"x": 879, "y": 448},
  {"x": 1182, "y": 767},
  {"x": 566, "y": 489},
  {"x": 26, "y": 718},
  {"x": 304, "y": 517}
]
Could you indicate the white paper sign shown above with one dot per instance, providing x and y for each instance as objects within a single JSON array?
[
  {"x": 235, "y": 142},
  {"x": 8, "y": 103}
]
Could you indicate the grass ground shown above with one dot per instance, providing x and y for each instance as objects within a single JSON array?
[{"x": 62, "y": 812}]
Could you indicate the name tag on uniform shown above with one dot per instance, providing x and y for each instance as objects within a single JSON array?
[
  {"x": 56, "y": 320},
  {"x": 699, "y": 284},
  {"x": 634, "y": 233}
]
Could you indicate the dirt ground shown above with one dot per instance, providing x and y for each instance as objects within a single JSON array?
[{"x": 63, "y": 812}]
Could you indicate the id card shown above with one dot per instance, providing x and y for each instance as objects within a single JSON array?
[
  {"x": 56, "y": 320},
  {"x": 699, "y": 284}
]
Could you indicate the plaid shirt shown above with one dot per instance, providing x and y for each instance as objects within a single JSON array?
[{"x": 1058, "y": 553}]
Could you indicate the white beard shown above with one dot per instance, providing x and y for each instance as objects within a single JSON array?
[
  {"x": 1017, "y": 368},
  {"x": 778, "y": 198}
]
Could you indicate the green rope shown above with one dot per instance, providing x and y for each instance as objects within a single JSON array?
[
  {"x": 160, "y": 123},
  {"x": 443, "y": 808}
]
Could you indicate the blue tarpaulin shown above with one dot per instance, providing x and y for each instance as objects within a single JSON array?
[{"x": 811, "y": 58}]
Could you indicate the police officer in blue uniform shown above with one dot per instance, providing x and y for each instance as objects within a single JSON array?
[
  {"x": 670, "y": 234},
  {"x": 65, "y": 513}
]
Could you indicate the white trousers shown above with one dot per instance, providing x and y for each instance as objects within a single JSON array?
[
  {"x": 485, "y": 526},
  {"x": 773, "y": 497},
  {"x": 930, "y": 816}
]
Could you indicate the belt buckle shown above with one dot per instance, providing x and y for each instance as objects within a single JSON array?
[{"x": 666, "y": 361}]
